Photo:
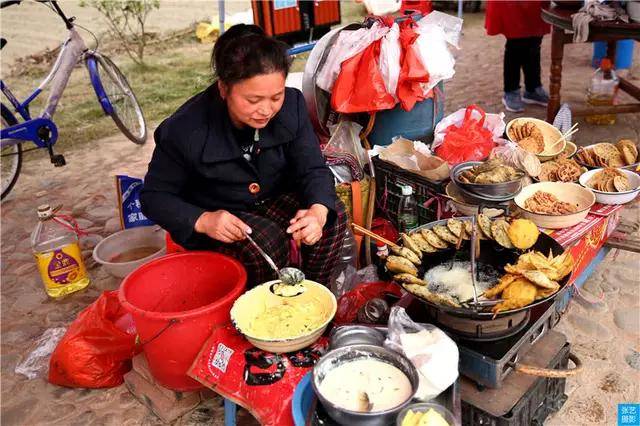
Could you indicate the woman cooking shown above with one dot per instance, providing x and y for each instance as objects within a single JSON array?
[{"x": 241, "y": 158}]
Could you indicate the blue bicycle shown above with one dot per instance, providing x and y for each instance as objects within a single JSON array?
[{"x": 114, "y": 94}]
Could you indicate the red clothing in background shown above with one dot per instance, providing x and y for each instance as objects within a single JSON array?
[{"x": 515, "y": 19}]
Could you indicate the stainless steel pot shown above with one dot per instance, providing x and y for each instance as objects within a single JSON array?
[
  {"x": 339, "y": 356},
  {"x": 350, "y": 335}
]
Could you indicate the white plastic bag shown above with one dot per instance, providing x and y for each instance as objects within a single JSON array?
[
  {"x": 382, "y": 7},
  {"x": 345, "y": 138},
  {"x": 37, "y": 361},
  {"x": 493, "y": 122},
  {"x": 431, "y": 48},
  {"x": 431, "y": 351},
  {"x": 451, "y": 25},
  {"x": 390, "y": 59},
  {"x": 517, "y": 157},
  {"x": 349, "y": 44}
]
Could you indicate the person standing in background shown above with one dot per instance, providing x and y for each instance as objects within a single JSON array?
[{"x": 521, "y": 24}]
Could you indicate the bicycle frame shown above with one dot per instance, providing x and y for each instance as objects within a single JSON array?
[{"x": 42, "y": 131}]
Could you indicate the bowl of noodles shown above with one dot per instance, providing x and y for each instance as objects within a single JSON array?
[
  {"x": 555, "y": 205},
  {"x": 281, "y": 324}
]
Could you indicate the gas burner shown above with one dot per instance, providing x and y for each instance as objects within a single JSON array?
[
  {"x": 481, "y": 330},
  {"x": 488, "y": 348}
]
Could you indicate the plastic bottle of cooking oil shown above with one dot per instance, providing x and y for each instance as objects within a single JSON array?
[
  {"x": 603, "y": 89},
  {"x": 57, "y": 252},
  {"x": 407, "y": 210}
]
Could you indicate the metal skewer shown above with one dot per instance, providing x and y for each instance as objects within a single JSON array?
[{"x": 474, "y": 236}]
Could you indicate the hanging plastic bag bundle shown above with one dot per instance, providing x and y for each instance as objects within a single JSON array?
[
  {"x": 360, "y": 86},
  {"x": 390, "y": 53},
  {"x": 347, "y": 45},
  {"x": 462, "y": 137},
  {"x": 413, "y": 73}
]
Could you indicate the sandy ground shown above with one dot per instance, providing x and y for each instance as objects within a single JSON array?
[
  {"x": 22, "y": 25},
  {"x": 604, "y": 335}
]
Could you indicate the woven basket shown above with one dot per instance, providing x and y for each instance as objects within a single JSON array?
[{"x": 345, "y": 193}]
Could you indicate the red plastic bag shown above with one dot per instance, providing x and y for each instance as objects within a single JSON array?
[
  {"x": 359, "y": 86},
  {"x": 350, "y": 302},
  {"x": 413, "y": 73},
  {"x": 97, "y": 349},
  {"x": 470, "y": 141},
  {"x": 260, "y": 381}
]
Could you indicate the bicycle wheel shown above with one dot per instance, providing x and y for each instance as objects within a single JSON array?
[
  {"x": 127, "y": 113},
  {"x": 11, "y": 157}
]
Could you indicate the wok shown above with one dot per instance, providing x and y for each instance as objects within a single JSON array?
[{"x": 493, "y": 254}]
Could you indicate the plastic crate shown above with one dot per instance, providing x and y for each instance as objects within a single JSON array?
[
  {"x": 545, "y": 397},
  {"x": 389, "y": 177}
]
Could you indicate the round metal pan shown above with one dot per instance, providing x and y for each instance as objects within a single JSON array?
[{"x": 493, "y": 254}]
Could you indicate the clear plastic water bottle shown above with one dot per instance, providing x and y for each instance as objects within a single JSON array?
[
  {"x": 58, "y": 256},
  {"x": 348, "y": 257},
  {"x": 602, "y": 91},
  {"x": 407, "y": 210}
]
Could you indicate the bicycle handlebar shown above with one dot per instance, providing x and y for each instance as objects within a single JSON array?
[{"x": 6, "y": 3}]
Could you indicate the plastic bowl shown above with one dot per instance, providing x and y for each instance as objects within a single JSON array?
[
  {"x": 122, "y": 241},
  {"x": 254, "y": 301},
  {"x": 423, "y": 408},
  {"x": 613, "y": 197}
]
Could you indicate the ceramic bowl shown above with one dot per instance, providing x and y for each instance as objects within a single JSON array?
[
  {"x": 633, "y": 167},
  {"x": 550, "y": 134},
  {"x": 256, "y": 300},
  {"x": 572, "y": 193},
  {"x": 613, "y": 197},
  {"x": 570, "y": 149}
]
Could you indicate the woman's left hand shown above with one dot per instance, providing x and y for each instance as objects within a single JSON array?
[{"x": 307, "y": 225}]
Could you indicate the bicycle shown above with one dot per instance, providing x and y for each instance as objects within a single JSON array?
[{"x": 111, "y": 87}]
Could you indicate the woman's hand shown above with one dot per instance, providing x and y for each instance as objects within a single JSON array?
[
  {"x": 222, "y": 226},
  {"x": 306, "y": 226}
]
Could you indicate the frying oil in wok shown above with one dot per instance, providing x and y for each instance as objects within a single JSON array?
[{"x": 456, "y": 281}]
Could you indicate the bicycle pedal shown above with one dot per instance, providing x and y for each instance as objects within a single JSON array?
[{"x": 58, "y": 160}]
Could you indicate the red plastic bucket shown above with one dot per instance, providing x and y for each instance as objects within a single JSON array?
[{"x": 175, "y": 301}]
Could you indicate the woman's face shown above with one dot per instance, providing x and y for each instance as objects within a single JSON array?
[{"x": 254, "y": 101}]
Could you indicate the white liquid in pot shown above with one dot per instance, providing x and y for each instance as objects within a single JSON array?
[{"x": 386, "y": 386}]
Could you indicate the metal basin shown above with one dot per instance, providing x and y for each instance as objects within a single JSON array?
[
  {"x": 338, "y": 357},
  {"x": 494, "y": 191}
]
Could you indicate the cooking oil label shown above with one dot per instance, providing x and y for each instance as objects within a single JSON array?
[{"x": 61, "y": 266}]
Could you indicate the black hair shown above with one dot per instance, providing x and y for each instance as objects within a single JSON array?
[{"x": 244, "y": 51}]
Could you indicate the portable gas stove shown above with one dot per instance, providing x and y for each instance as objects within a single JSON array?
[
  {"x": 489, "y": 349},
  {"x": 492, "y": 392}
]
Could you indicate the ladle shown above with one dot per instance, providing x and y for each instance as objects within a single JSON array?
[{"x": 290, "y": 276}]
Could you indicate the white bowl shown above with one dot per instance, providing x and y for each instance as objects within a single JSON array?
[
  {"x": 550, "y": 134},
  {"x": 568, "y": 192},
  {"x": 122, "y": 241},
  {"x": 613, "y": 197},
  {"x": 256, "y": 300}
]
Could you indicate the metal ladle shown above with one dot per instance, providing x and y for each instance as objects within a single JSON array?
[{"x": 288, "y": 275}]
